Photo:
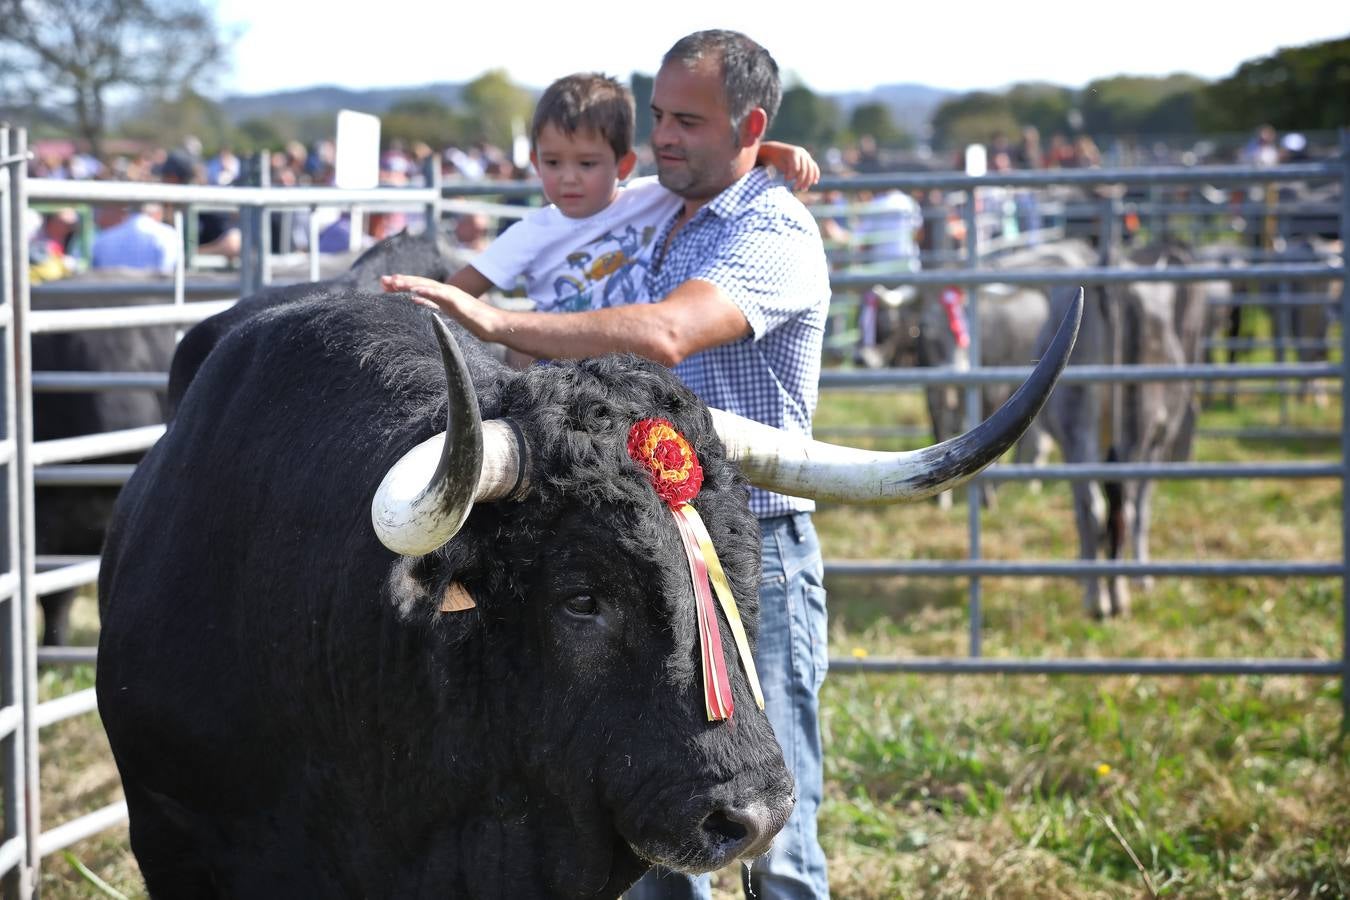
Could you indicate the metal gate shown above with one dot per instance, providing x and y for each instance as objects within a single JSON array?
[{"x": 23, "y": 577}]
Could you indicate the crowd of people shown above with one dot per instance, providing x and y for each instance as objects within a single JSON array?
[{"x": 141, "y": 236}]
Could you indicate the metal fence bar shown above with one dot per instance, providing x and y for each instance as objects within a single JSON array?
[
  {"x": 67, "y": 707},
  {"x": 23, "y": 521},
  {"x": 67, "y": 656},
  {"x": 858, "y": 378},
  {"x": 13, "y": 850},
  {"x": 85, "y": 476},
  {"x": 129, "y": 440},
  {"x": 956, "y": 665},
  {"x": 1345, "y": 441},
  {"x": 192, "y": 290},
  {"x": 1159, "y": 471},
  {"x": 65, "y": 578},
  {"x": 1094, "y": 275},
  {"x": 57, "y": 190},
  {"x": 50, "y": 321},
  {"x": 76, "y": 830},
  {"x": 975, "y": 590},
  {"x": 86, "y": 382},
  {"x": 929, "y": 568},
  {"x": 1143, "y": 176}
]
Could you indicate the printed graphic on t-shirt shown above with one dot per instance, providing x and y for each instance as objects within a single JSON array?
[{"x": 609, "y": 271}]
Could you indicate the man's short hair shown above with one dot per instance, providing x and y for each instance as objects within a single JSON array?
[
  {"x": 587, "y": 102},
  {"x": 749, "y": 73}
]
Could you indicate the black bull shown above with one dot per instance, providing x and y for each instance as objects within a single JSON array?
[{"x": 292, "y": 712}]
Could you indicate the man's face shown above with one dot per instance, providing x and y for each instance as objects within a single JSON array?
[{"x": 697, "y": 151}]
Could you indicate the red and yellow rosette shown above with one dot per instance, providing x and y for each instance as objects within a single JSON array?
[{"x": 675, "y": 473}]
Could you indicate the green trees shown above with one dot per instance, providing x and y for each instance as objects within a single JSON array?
[
  {"x": 1304, "y": 87},
  {"x": 72, "y": 54}
]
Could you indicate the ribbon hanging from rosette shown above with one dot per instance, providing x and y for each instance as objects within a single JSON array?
[{"x": 675, "y": 473}]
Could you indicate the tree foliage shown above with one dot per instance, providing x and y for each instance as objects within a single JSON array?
[
  {"x": 1128, "y": 104},
  {"x": 973, "y": 118},
  {"x": 424, "y": 119},
  {"x": 805, "y": 117},
  {"x": 1304, "y": 87},
  {"x": 75, "y": 53},
  {"x": 495, "y": 105},
  {"x": 875, "y": 119},
  {"x": 1046, "y": 107}
]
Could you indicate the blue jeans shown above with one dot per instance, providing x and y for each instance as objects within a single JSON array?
[{"x": 792, "y": 658}]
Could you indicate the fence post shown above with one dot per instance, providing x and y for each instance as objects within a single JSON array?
[
  {"x": 253, "y": 237},
  {"x": 431, "y": 169},
  {"x": 1345, "y": 435},
  {"x": 25, "y": 596},
  {"x": 11, "y": 631},
  {"x": 974, "y": 395}
]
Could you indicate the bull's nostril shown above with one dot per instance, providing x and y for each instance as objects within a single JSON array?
[{"x": 736, "y": 827}]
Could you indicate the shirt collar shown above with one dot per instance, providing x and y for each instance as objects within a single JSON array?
[{"x": 735, "y": 194}]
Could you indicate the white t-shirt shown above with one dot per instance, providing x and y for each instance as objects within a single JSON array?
[{"x": 579, "y": 264}]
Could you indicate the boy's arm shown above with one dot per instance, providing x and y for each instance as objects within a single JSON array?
[
  {"x": 471, "y": 281},
  {"x": 692, "y": 318},
  {"x": 794, "y": 162}
]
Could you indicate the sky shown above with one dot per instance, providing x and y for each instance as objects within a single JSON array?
[{"x": 831, "y": 47}]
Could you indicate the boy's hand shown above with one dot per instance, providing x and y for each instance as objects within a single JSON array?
[
  {"x": 796, "y": 165},
  {"x": 801, "y": 169},
  {"x": 467, "y": 310}
]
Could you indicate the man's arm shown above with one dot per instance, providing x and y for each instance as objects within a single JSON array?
[{"x": 694, "y": 317}]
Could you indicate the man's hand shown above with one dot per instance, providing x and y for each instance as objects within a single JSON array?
[{"x": 466, "y": 309}]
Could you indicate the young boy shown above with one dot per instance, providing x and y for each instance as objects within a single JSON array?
[{"x": 590, "y": 247}]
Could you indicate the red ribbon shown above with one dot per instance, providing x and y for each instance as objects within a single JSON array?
[{"x": 716, "y": 683}]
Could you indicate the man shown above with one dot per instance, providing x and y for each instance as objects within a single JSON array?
[
  {"x": 744, "y": 291},
  {"x": 135, "y": 238}
]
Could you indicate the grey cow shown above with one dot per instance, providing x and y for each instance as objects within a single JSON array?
[{"x": 1140, "y": 323}]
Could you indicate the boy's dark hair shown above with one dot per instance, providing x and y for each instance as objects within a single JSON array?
[
  {"x": 587, "y": 101},
  {"x": 749, "y": 73}
]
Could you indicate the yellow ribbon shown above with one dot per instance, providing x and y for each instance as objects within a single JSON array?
[{"x": 723, "y": 589}]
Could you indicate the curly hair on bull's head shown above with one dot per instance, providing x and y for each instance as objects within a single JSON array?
[{"x": 576, "y": 418}]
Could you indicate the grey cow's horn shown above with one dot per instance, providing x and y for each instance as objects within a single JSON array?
[
  {"x": 802, "y": 467},
  {"x": 426, "y": 496}
]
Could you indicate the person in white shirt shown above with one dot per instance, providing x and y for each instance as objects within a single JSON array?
[
  {"x": 590, "y": 247},
  {"x": 136, "y": 238}
]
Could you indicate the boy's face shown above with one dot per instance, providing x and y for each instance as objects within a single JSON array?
[{"x": 579, "y": 171}]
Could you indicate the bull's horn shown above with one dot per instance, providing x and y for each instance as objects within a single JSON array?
[
  {"x": 802, "y": 467},
  {"x": 426, "y": 496}
]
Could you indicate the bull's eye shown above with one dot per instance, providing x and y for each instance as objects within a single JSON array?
[{"x": 582, "y": 605}]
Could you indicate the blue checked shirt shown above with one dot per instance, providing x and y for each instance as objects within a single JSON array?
[{"x": 759, "y": 245}]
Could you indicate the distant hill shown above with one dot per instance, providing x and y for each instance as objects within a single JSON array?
[
  {"x": 911, "y": 104},
  {"x": 328, "y": 99}
]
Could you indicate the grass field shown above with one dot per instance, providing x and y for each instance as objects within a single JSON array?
[{"x": 1034, "y": 786}]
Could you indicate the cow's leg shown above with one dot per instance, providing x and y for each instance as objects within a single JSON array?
[
  {"x": 56, "y": 618},
  {"x": 1118, "y": 527},
  {"x": 1143, "y": 510},
  {"x": 1088, "y": 511}
]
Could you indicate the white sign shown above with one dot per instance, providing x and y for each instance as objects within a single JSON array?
[
  {"x": 977, "y": 160},
  {"x": 357, "y": 162}
]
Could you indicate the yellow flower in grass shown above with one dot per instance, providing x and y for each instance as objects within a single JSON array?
[
  {"x": 1103, "y": 769},
  {"x": 859, "y": 653}
]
